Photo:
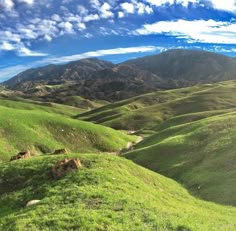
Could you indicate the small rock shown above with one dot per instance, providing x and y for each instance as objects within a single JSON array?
[
  {"x": 21, "y": 155},
  {"x": 32, "y": 202},
  {"x": 60, "y": 151},
  {"x": 64, "y": 166}
]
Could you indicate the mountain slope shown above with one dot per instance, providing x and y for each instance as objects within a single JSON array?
[
  {"x": 100, "y": 80},
  {"x": 43, "y": 129},
  {"x": 81, "y": 69},
  {"x": 189, "y": 65},
  {"x": 143, "y": 200}
]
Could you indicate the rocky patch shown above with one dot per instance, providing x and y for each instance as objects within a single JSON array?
[
  {"x": 21, "y": 155},
  {"x": 64, "y": 166}
]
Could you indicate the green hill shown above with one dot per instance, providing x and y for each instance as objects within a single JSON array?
[
  {"x": 150, "y": 110},
  {"x": 42, "y": 129},
  {"x": 200, "y": 155},
  {"x": 108, "y": 193},
  {"x": 191, "y": 135}
]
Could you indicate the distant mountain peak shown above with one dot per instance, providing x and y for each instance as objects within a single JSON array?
[{"x": 93, "y": 78}]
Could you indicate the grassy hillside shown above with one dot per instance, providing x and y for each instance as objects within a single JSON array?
[
  {"x": 108, "y": 193},
  {"x": 150, "y": 110},
  {"x": 42, "y": 129},
  {"x": 24, "y": 104},
  {"x": 200, "y": 154},
  {"x": 192, "y": 135}
]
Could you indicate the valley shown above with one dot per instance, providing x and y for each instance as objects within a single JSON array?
[{"x": 157, "y": 152}]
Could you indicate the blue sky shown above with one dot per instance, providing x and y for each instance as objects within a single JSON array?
[{"x": 36, "y": 33}]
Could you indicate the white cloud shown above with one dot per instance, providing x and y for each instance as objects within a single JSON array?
[
  {"x": 81, "y": 26},
  {"x": 95, "y": 4},
  {"x": 66, "y": 27},
  {"x": 160, "y": 2},
  {"x": 9, "y": 36},
  {"x": 5, "y": 46},
  {"x": 198, "y": 31},
  {"x": 23, "y": 51},
  {"x": 142, "y": 8},
  {"x": 10, "y": 4},
  {"x": 47, "y": 38},
  {"x": 128, "y": 7},
  {"x": 99, "y": 53},
  {"x": 7, "y": 4},
  {"x": 8, "y": 72},
  {"x": 121, "y": 14},
  {"x": 56, "y": 17},
  {"x": 229, "y": 5},
  {"x": 30, "y": 2},
  {"x": 82, "y": 10},
  {"x": 19, "y": 48},
  {"x": 105, "y": 10},
  {"x": 184, "y": 3},
  {"x": 91, "y": 17},
  {"x": 135, "y": 7}
]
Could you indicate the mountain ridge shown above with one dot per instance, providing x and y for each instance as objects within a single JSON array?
[{"x": 96, "y": 79}]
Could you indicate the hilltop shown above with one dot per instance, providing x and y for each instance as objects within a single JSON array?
[{"x": 107, "y": 193}]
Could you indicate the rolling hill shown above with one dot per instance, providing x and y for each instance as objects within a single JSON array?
[
  {"x": 190, "y": 135},
  {"x": 200, "y": 155},
  {"x": 107, "y": 193},
  {"x": 151, "y": 110},
  {"x": 42, "y": 129}
]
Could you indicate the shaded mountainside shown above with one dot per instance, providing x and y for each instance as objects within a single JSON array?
[
  {"x": 107, "y": 193},
  {"x": 54, "y": 74},
  {"x": 189, "y": 65},
  {"x": 191, "y": 135},
  {"x": 100, "y": 80}
]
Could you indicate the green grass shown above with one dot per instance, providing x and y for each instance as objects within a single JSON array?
[
  {"x": 189, "y": 135},
  {"x": 80, "y": 102},
  {"x": 108, "y": 193},
  {"x": 24, "y": 104},
  {"x": 43, "y": 129},
  {"x": 199, "y": 153},
  {"x": 149, "y": 110}
]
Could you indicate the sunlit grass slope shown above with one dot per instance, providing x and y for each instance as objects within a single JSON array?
[
  {"x": 108, "y": 193},
  {"x": 149, "y": 110},
  {"x": 24, "y": 104},
  {"x": 192, "y": 135},
  {"x": 42, "y": 129},
  {"x": 199, "y": 154}
]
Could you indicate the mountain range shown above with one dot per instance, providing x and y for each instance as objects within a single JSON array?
[{"x": 96, "y": 79}]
